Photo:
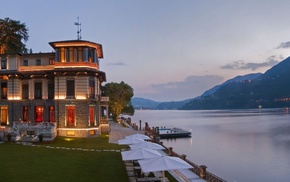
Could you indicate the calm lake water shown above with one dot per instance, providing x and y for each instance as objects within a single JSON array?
[{"x": 236, "y": 145}]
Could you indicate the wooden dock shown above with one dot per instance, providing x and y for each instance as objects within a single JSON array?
[{"x": 165, "y": 132}]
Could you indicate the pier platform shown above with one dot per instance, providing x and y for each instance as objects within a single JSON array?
[{"x": 165, "y": 132}]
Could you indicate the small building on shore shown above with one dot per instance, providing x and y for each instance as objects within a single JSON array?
[{"x": 60, "y": 89}]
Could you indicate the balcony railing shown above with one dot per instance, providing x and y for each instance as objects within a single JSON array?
[
  {"x": 42, "y": 67},
  {"x": 76, "y": 64}
]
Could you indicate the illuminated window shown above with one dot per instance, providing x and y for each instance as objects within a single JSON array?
[
  {"x": 71, "y": 54},
  {"x": 70, "y": 133},
  {"x": 51, "y": 114},
  {"x": 70, "y": 116},
  {"x": 51, "y": 61},
  {"x": 90, "y": 55},
  {"x": 92, "y": 115},
  {"x": 4, "y": 115},
  {"x": 25, "y": 113},
  {"x": 92, "y": 132},
  {"x": 92, "y": 88},
  {"x": 50, "y": 90},
  {"x": 25, "y": 91},
  {"x": 3, "y": 64},
  {"x": 75, "y": 55},
  {"x": 38, "y": 113},
  {"x": 70, "y": 89},
  {"x": 4, "y": 90},
  {"x": 38, "y": 90},
  {"x": 62, "y": 55},
  {"x": 67, "y": 54},
  {"x": 80, "y": 54}
]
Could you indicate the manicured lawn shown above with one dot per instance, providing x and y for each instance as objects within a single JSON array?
[{"x": 38, "y": 163}]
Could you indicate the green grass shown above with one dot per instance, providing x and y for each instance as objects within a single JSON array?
[
  {"x": 170, "y": 177},
  {"x": 38, "y": 163}
]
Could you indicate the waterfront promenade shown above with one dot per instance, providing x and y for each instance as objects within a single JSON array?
[{"x": 119, "y": 132}]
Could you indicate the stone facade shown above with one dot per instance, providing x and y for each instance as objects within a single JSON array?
[
  {"x": 62, "y": 87},
  {"x": 82, "y": 113}
]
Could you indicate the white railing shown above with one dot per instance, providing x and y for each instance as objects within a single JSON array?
[{"x": 21, "y": 129}]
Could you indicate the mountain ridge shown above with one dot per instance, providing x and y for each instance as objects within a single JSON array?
[
  {"x": 142, "y": 103},
  {"x": 269, "y": 90},
  {"x": 244, "y": 91}
]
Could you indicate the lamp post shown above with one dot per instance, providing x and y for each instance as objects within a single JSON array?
[{"x": 140, "y": 124}]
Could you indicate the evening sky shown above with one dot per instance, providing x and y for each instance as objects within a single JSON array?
[{"x": 167, "y": 50}]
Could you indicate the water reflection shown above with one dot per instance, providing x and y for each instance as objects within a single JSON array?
[{"x": 241, "y": 145}]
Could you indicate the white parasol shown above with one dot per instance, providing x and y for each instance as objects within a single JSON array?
[
  {"x": 163, "y": 163},
  {"x": 140, "y": 136},
  {"x": 129, "y": 141},
  {"x": 141, "y": 153},
  {"x": 149, "y": 145}
]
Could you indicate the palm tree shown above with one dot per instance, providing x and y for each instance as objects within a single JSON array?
[{"x": 12, "y": 33}]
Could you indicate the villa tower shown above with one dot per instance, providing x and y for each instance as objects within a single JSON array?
[{"x": 61, "y": 88}]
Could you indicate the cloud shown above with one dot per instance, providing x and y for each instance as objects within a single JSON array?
[
  {"x": 192, "y": 86},
  {"x": 116, "y": 64},
  {"x": 284, "y": 45},
  {"x": 241, "y": 65}
]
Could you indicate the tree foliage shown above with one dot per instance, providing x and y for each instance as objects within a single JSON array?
[
  {"x": 12, "y": 33},
  {"x": 120, "y": 95},
  {"x": 129, "y": 109}
]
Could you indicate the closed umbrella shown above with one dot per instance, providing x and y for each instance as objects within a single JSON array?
[{"x": 141, "y": 153}]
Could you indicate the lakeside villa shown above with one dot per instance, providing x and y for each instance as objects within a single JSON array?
[{"x": 53, "y": 94}]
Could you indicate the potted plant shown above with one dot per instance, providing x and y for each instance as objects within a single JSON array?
[
  {"x": 9, "y": 136},
  {"x": 40, "y": 137}
]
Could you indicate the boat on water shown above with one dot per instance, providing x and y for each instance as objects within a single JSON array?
[{"x": 165, "y": 132}]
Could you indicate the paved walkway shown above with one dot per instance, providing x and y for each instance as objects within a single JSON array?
[{"x": 119, "y": 132}]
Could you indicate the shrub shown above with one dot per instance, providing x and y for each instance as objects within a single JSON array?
[
  {"x": 9, "y": 136},
  {"x": 40, "y": 137}
]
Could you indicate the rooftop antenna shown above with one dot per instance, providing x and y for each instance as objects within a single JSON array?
[{"x": 79, "y": 28}]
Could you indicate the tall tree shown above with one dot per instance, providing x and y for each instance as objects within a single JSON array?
[
  {"x": 120, "y": 95},
  {"x": 12, "y": 35},
  {"x": 129, "y": 109}
]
